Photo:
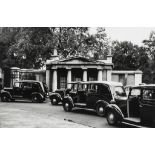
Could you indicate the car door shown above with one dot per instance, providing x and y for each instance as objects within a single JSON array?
[
  {"x": 134, "y": 102},
  {"x": 81, "y": 94},
  {"x": 147, "y": 106},
  {"x": 17, "y": 90},
  {"x": 26, "y": 89},
  {"x": 73, "y": 92},
  {"x": 92, "y": 95}
]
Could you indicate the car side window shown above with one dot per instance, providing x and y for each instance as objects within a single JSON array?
[
  {"x": 26, "y": 85},
  {"x": 103, "y": 90},
  {"x": 74, "y": 87},
  {"x": 92, "y": 88},
  {"x": 135, "y": 92},
  {"x": 35, "y": 87},
  {"x": 80, "y": 87},
  {"x": 148, "y": 94},
  {"x": 17, "y": 85}
]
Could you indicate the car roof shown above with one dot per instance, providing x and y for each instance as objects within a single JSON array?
[
  {"x": 111, "y": 83},
  {"x": 145, "y": 86},
  {"x": 28, "y": 81}
]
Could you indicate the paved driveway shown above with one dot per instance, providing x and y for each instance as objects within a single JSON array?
[{"x": 44, "y": 115}]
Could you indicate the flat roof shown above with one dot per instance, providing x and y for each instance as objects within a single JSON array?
[{"x": 28, "y": 81}]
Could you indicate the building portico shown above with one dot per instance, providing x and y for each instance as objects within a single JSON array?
[{"x": 61, "y": 72}]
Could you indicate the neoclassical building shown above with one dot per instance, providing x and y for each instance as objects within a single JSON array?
[{"x": 59, "y": 72}]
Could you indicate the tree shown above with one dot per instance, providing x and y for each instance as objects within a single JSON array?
[
  {"x": 127, "y": 56},
  {"x": 33, "y": 46},
  {"x": 150, "y": 48},
  {"x": 6, "y": 39},
  {"x": 101, "y": 43}
]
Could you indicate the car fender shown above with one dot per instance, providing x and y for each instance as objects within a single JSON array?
[
  {"x": 68, "y": 98},
  {"x": 57, "y": 95},
  {"x": 6, "y": 92},
  {"x": 116, "y": 109},
  {"x": 36, "y": 93},
  {"x": 104, "y": 103}
]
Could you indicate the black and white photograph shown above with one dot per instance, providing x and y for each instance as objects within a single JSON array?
[{"x": 77, "y": 77}]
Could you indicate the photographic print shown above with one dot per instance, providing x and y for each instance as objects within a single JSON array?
[{"x": 77, "y": 77}]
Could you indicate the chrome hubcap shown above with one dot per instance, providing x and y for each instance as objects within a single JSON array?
[
  {"x": 67, "y": 105},
  {"x": 54, "y": 100},
  {"x": 111, "y": 118},
  {"x": 101, "y": 110}
]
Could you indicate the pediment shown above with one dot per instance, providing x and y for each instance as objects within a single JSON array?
[{"x": 75, "y": 60}]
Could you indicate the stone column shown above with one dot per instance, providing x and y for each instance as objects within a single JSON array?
[
  {"x": 138, "y": 78},
  {"x": 85, "y": 74},
  {"x": 37, "y": 77},
  {"x": 108, "y": 75},
  {"x": 48, "y": 73},
  {"x": 54, "y": 82},
  {"x": 104, "y": 75},
  {"x": 99, "y": 77},
  {"x": 69, "y": 77}
]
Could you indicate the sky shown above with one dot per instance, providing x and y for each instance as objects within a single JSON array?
[{"x": 134, "y": 34}]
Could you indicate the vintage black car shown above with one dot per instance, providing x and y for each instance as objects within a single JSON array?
[
  {"x": 95, "y": 95},
  {"x": 57, "y": 96},
  {"x": 27, "y": 89},
  {"x": 140, "y": 108}
]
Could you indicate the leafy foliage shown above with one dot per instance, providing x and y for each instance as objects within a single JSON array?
[
  {"x": 33, "y": 46},
  {"x": 150, "y": 49},
  {"x": 127, "y": 56}
]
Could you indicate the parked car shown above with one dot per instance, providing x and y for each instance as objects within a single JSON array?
[
  {"x": 57, "y": 96},
  {"x": 95, "y": 95},
  {"x": 27, "y": 89},
  {"x": 140, "y": 108}
]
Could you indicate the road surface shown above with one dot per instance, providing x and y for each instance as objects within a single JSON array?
[{"x": 43, "y": 115}]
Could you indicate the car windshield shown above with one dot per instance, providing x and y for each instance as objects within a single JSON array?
[{"x": 120, "y": 91}]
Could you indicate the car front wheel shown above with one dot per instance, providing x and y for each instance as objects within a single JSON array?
[
  {"x": 54, "y": 100},
  {"x": 111, "y": 118},
  {"x": 36, "y": 98},
  {"x": 67, "y": 106},
  {"x": 100, "y": 109}
]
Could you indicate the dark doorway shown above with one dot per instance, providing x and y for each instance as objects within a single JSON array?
[
  {"x": 62, "y": 78},
  {"x": 92, "y": 74},
  {"x": 77, "y": 74}
]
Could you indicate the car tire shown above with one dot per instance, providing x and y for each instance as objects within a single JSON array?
[
  {"x": 5, "y": 98},
  {"x": 112, "y": 118},
  {"x": 54, "y": 100},
  {"x": 100, "y": 110},
  {"x": 36, "y": 99},
  {"x": 67, "y": 105}
]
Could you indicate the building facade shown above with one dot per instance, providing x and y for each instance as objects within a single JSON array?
[
  {"x": 127, "y": 77},
  {"x": 60, "y": 72}
]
